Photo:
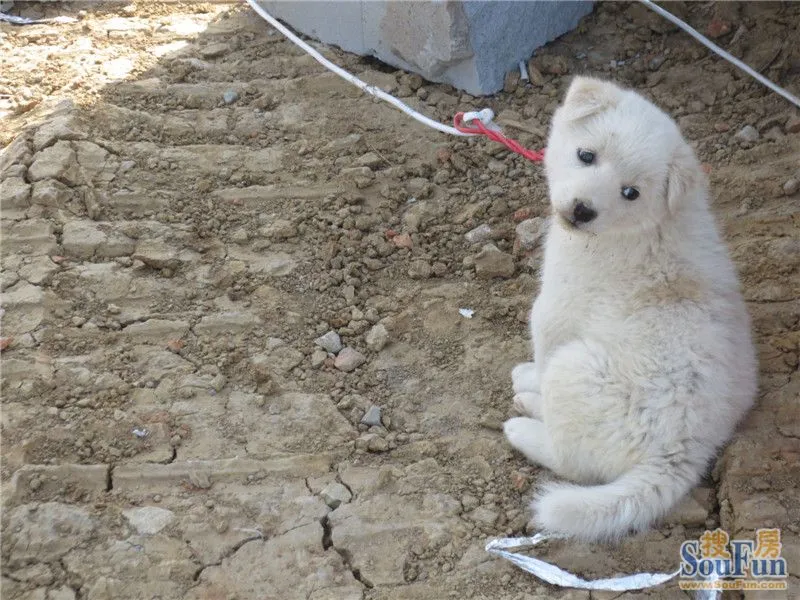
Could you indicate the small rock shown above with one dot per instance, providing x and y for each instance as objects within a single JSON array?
[
  {"x": 279, "y": 229},
  {"x": 213, "y": 51},
  {"x": 56, "y": 162},
  {"x": 420, "y": 269},
  {"x": 484, "y": 516},
  {"x": 792, "y": 125},
  {"x": 240, "y": 236},
  {"x": 717, "y": 28},
  {"x": 334, "y": 494},
  {"x": 469, "y": 502},
  {"x": 377, "y": 337},
  {"x": 149, "y": 520},
  {"x": 403, "y": 240},
  {"x": 511, "y": 82},
  {"x": 521, "y": 214},
  {"x": 63, "y": 127},
  {"x": 62, "y": 593},
  {"x": 349, "y": 360},
  {"x": 50, "y": 193},
  {"x": 491, "y": 262},
  {"x": 372, "y": 416},
  {"x": 554, "y": 65},
  {"x": 790, "y": 187},
  {"x": 747, "y": 135},
  {"x": 81, "y": 238},
  {"x": 535, "y": 74},
  {"x": 318, "y": 358},
  {"x": 530, "y": 232},
  {"x": 349, "y": 293},
  {"x": 330, "y": 342},
  {"x": 156, "y": 254},
  {"x": 654, "y": 64},
  {"x": 15, "y": 193},
  {"x": 230, "y": 96},
  {"x": 372, "y": 442},
  {"x": 370, "y": 159},
  {"x": 478, "y": 235}
]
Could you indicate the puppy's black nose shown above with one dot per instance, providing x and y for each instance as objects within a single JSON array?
[{"x": 583, "y": 214}]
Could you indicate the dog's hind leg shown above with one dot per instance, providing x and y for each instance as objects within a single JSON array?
[{"x": 530, "y": 437}]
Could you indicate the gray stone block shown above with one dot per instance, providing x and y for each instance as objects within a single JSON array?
[{"x": 470, "y": 44}]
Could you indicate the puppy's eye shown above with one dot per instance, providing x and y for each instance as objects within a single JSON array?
[
  {"x": 630, "y": 193},
  {"x": 585, "y": 156}
]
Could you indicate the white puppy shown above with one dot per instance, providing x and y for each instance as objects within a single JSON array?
[{"x": 644, "y": 362}]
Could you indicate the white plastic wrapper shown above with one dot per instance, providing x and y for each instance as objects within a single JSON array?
[
  {"x": 26, "y": 21},
  {"x": 554, "y": 575}
]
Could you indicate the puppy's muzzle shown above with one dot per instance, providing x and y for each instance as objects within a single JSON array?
[{"x": 581, "y": 213}]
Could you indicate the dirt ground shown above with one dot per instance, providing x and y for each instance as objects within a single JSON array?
[{"x": 189, "y": 202}]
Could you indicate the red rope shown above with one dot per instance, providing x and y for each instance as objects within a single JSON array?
[{"x": 478, "y": 128}]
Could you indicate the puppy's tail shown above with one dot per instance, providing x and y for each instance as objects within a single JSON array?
[{"x": 610, "y": 511}]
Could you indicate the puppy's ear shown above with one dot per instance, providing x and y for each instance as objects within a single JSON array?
[
  {"x": 587, "y": 96},
  {"x": 684, "y": 177}
]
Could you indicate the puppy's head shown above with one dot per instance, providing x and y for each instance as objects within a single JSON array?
[{"x": 616, "y": 163}]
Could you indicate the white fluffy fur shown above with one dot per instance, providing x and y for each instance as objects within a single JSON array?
[{"x": 644, "y": 362}]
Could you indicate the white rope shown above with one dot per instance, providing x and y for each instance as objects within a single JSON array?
[
  {"x": 486, "y": 115},
  {"x": 726, "y": 55},
  {"x": 370, "y": 89}
]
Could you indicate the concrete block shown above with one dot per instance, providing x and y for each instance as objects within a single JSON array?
[{"x": 470, "y": 44}]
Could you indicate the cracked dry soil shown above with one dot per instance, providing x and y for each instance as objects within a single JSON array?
[{"x": 189, "y": 202}]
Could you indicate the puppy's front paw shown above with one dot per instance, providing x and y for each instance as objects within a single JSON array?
[
  {"x": 520, "y": 431},
  {"x": 529, "y": 404},
  {"x": 524, "y": 378},
  {"x": 530, "y": 437}
]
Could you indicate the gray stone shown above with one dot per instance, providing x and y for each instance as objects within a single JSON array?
[
  {"x": 491, "y": 262},
  {"x": 157, "y": 330},
  {"x": 226, "y": 323},
  {"x": 335, "y": 494},
  {"x": 230, "y": 96},
  {"x": 149, "y": 520},
  {"x": 44, "y": 532},
  {"x": 471, "y": 45},
  {"x": 50, "y": 192},
  {"x": 747, "y": 135},
  {"x": 38, "y": 270},
  {"x": 56, "y": 162},
  {"x": 81, "y": 238},
  {"x": 377, "y": 337},
  {"x": 480, "y": 234},
  {"x": 530, "y": 232},
  {"x": 349, "y": 360},
  {"x": 484, "y": 516},
  {"x": 330, "y": 342},
  {"x": 62, "y": 127},
  {"x": 31, "y": 237},
  {"x": 318, "y": 358},
  {"x": 214, "y": 50},
  {"x": 157, "y": 254},
  {"x": 791, "y": 186},
  {"x": 38, "y": 574},
  {"x": 62, "y": 593},
  {"x": 15, "y": 193},
  {"x": 372, "y": 417},
  {"x": 24, "y": 306}
]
